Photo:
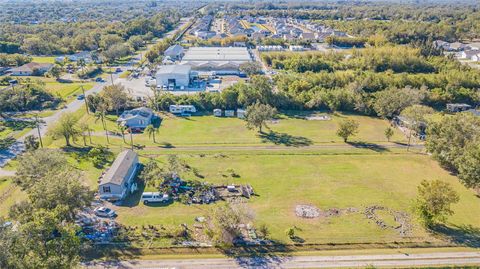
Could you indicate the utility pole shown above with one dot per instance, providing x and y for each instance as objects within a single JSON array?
[
  {"x": 111, "y": 76},
  {"x": 131, "y": 137},
  {"x": 85, "y": 99},
  {"x": 38, "y": 130}
]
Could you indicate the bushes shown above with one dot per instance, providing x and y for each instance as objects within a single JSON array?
[
  {"x": 89, "y": 72},
  {"x": 27, "y": 97}
]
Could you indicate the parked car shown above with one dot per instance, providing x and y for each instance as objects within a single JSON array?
[
  {"x": 118, "y": 69},
  {"x": 99, "y": 79},
  {"x": 104, "y": 212},
  {"x": 154, "y": 197},
  {"x": 81, "y": 97}
]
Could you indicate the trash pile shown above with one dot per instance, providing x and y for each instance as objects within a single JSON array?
[
  {"x": 319, "y": 117},
  {"x": 189, "y": 191},
  {"x": 231, "y": 191},
  {"x": 96, "y": 229}
]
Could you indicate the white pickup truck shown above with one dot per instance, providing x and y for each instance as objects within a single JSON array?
[{"x": 154, "y": 197}]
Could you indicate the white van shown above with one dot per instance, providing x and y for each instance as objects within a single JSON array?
[{"x": 154, "y": 197}]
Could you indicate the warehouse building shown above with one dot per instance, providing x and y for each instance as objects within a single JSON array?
[
  {"x": 174, "y": 76},
  {"x": 218, "y": 60}
]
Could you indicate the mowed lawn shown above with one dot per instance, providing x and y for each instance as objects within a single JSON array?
[
  {"x": 327, "y": 181},
  {"x": 44, "y": 59},
  {"x": 65, "y": 90},
  {"x": 330, "y": 178},
  {"x": 293, "y": 130}
]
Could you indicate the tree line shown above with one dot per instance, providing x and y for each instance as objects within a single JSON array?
[{"x": 66, "y": 38}]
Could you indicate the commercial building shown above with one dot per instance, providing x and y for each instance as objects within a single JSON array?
[
  {"x": 221, "y": 60},
  {"x": 174, "y": 76}
]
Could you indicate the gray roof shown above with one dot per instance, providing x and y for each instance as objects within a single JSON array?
[
  {"x": 217, "y": 54},
  {"x": 175, "y": 49},
  {"x": 174, "y": 69},
  {"x": 118, "y": 172},
  {"x": 137, "y": 112}
]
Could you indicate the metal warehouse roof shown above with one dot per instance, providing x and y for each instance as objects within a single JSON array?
[
  {"x": 217, "y": 54},
  {"x": 174, "y": 69}
]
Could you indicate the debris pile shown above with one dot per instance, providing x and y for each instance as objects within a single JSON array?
[
  {"x": 96, "y": 229},
  {"x": 319, "y": 117},
  {"x": 403, "y": 226},
  {"x": 307, "y": 211}
]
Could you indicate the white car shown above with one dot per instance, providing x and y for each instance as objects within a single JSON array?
[
  {"x": 104, "y": 212},
  {"x": 154, "y": 197}
]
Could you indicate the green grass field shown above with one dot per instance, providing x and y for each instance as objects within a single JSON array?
[
  {"x": 290, "y": 130},
  {"x": 327, "y": 181},
  {"x": 44, "y": 59},
  {"x": 301, "y": 162}
]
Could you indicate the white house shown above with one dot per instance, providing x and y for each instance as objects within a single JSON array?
[
  {"x": 180, "y": 109},
  {"x": 138, "y": 118},
  {"x": 175, "y": 52},
  {"x": 118, "y": 180},
  {"x": 31, "y": 69}
]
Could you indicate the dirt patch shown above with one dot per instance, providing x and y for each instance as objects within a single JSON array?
[{"x": 402, "y": 221}]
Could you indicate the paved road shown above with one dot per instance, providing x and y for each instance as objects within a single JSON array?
[{"x": 390, "y": 260}]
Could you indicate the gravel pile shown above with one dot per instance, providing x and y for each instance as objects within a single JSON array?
[{"x": 307, "y": 211}]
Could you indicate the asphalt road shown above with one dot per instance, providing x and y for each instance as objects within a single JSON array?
[{"x": 390, "y": 260}]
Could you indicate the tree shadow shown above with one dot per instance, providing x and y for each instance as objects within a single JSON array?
[
  {"x": 285, "y": 139},
  {"x": 133, "y": 199},
  {"x": 166, "y": 145},
  {"x": 466, "y": 235},
  {"x": 18, "y": 125},
  {"x": 269, "y": 254},
  {"x": 368, "y": 145},
  {"x": 112, "y": 255}
]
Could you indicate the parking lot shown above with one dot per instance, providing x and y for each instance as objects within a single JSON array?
[{"x": 137, "y": 87}]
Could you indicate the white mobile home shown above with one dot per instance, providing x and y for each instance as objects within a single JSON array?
[
  {"x": 179, "y": 109},
  {"x": 118, "y": 180}
]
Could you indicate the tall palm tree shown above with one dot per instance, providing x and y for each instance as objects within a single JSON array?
[
  {"x": 151, "y": 131},
  {"x": 81, "y": 62},
  {"x": 121, "y": 129},
  {"x": 85, "y": 129},
  {"x": 100, "y": 115}
]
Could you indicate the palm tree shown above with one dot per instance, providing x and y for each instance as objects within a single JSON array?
[
  {"x": 121, "y": 129},
  {"x": 81, "y": 62},
  {"x": 151, "y": 131},
  {"x": 100, "y": 115},
  {"x": 85, "y": 129}
]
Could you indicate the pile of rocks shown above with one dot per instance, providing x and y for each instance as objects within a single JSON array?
[
  {"x": 307, "y": 211},
  {"x": 404, "y": 226}
]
